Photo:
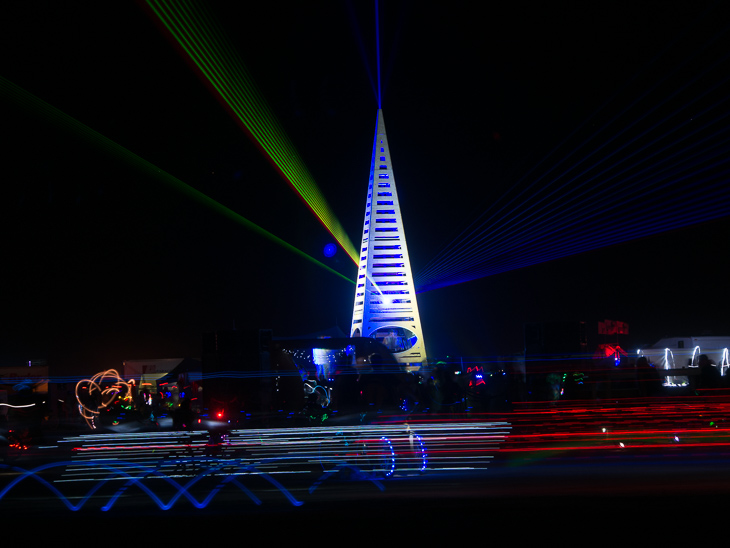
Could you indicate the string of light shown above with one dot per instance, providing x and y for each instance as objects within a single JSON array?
[
  {"x": 212, "y": 53},
  {"x": 51, "y": 114},
  {"x": 661, "y": 161}
]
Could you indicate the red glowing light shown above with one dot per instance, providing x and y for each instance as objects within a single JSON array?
[{"x": 478, "y": 374}]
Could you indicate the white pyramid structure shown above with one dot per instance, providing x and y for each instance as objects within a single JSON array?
[{"x": 385, "y": 297}]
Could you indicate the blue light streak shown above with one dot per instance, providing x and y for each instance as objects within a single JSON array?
[
  {"x": 658, "y": 192},
  {"x": 392, "y": 456},
  {"x": 120, "y": 470},
  {"x": 714, "y": 205},
  {"x": 377, "y": 48},
  {"x": 147, "y": 463},
  {"x": 649, "y": 163},
  {"x": 715, "y": 199},
  {"x": 422, "y": 448},
  {"x": 361, "y": 47},
  {"x": 357, "y": 475}
]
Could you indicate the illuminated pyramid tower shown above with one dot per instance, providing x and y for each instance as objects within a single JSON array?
[{"x": 385, "y": 298}]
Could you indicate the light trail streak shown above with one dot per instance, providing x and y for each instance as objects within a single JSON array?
[
  {"x": 136, "y": 446},
  {"x": 361, "y": 46},
  {"x": 212, "y": 53},
  {"x": 40, "y": 108},
  {"x": 607, "y": 178},
  {"x": 373, "y": 453},
  {"x": 713, "y": 206},
  {"x": 409, "y": 449},
  {"x": 93, "y": 391},
  {"x": 377, "y": 52},
  {"x": 463, "y": 236},
  {"x": 596, "y": 202},
  {"x": 672, "y": 212},
  {"x": 639, "y": 424}
]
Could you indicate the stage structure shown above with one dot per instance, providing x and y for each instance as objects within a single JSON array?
[{"x": 385, "y": 298}]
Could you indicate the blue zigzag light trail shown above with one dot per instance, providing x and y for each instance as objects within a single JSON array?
[
  {"x": 171, "y": 467},
  {"x": 660, "y": 164}
]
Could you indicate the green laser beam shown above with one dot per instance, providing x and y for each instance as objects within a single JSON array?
[
  {"x": 39, "y": 107},
  {"x": 206, "y": 45}
]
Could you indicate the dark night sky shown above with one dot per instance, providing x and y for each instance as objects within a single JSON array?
[{"x": 101, "y": 263}]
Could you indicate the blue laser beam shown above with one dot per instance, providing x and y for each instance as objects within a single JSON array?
[
  {"x": 377, "y": 49},
  {"x": 596, "y": 203},
  {"x": 673, "y": 218},
  {"x": 361, "y": 46},
  {"x": 562, "y": 204},
  {"x": 572, "y": 197}
]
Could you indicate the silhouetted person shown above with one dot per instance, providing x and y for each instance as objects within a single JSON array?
[
  {"x": 709, "y": 374},
  {"x": 650, "y": 382},
  {"x": 183, "y": 416},
  {"x": 346, "y": 390}
]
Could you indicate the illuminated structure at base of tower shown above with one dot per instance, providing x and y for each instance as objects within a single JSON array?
[{"x": 385, "y": 298}]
